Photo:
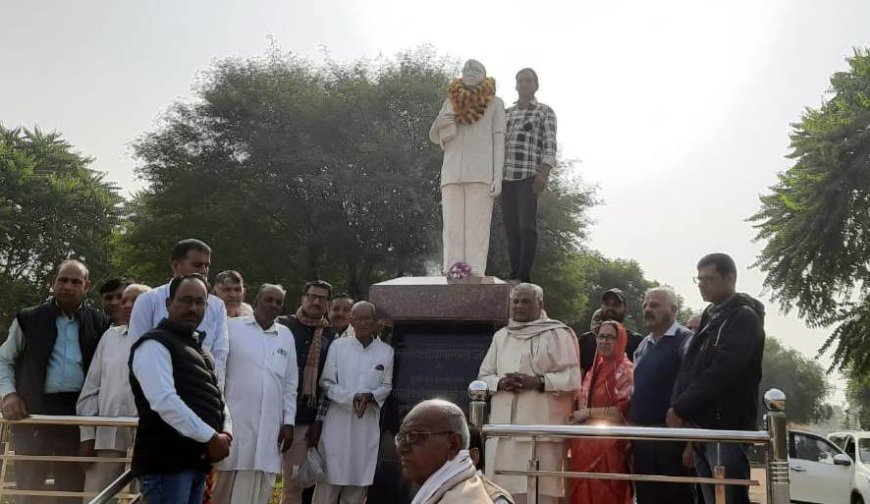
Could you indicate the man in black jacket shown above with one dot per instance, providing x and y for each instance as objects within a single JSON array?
[
  {"x": 313, "y": 335},
  {"x": 43, "y": 365},
  {"x": 184, "y": 424},
  {"x": 717, "y": 386}
]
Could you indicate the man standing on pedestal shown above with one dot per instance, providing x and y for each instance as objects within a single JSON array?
[
  {"x": 531, "y": 154},
  {"x": 470, "y": 128},
  {"x": 532, "y": 369}
]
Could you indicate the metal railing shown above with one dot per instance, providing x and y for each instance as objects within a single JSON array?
[
  {"x": 775, "y": 438},
  {"x": 113, "y": 491}
]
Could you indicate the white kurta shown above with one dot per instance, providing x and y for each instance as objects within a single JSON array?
[
  {"x": 350, "y": 444},
  {"x": 544, "y": 348},
  {"x": 106, "y": 391},
  {"x": 260, "y": 391}
]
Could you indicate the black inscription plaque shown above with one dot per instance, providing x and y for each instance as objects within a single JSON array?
[{"x": 432, "y": 360}]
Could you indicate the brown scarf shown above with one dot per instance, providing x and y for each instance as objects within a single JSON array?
[{"x": 312, "y": 363}]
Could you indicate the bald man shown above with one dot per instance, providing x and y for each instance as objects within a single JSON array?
[
  {"x": 433, "y": 448},
  {"x": 42, "y": 370}
]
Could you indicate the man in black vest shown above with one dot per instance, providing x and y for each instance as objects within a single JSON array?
[
  {"x": 43, "y": 365},
  {"x": 184, "y": 425},
  {"x": 656, "y": 363},
  {"x": 717, "y": 385},
  {"x": 313, "y": 334}
]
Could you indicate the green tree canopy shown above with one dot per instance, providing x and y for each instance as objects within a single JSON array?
[
  {"x": 803, "y": 381},
  {"x": 816, "y": 219},
  {"x": 52, "y": 207}
]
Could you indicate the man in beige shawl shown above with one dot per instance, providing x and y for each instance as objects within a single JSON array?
[{"x": 532, "y": 369}]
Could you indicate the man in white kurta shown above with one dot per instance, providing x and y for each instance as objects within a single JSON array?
[
  {"x": 260, "y": 391},
  {"x": 357, "y": 379},
  {"x": 106, "y": 393},
  {"x": 532, "y": 369},
  {"x": 473, "y": 167}
]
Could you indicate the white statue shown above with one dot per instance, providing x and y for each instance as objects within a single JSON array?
[{"x": 470, "y": 128}]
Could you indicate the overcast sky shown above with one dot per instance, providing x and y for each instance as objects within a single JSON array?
[{"x": 678, "y": 111}]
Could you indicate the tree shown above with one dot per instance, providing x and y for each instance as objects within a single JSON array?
[
  {"x": 803, "y": 381},
  {"x": 292, "y": 172},
  {"x": 858, "y": 397},
  {"x": 52, "y": 207},
  {"x": 816, "y": 219}
]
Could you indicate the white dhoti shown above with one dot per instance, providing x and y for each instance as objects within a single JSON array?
[
  {"x": 467, "y": 211},
  {"x": 325, "y": 493},
  {"x": 243, "y": 487}
]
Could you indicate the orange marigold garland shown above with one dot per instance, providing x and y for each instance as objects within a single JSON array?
[
  {"x": 209, "y": 486},
  {"x": 469, "y": 104}
]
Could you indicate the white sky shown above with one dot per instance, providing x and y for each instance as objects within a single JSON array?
[{"x": 679, "y": 111}]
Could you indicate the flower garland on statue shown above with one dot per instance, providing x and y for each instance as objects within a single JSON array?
[{"x": 469, "y": 103}]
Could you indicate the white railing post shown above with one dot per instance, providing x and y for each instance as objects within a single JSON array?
[{"x": 777, "y": 448}]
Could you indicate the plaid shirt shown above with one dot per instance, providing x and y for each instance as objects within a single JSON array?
[{"x": 530, "y": 140}]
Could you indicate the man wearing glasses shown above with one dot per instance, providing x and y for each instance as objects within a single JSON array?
[
  {"x": 357, "y": 379},
  {"x": 433, "y": 446},
  {"x": 717, "y": 385},
  {"x": 313, "y": 335}
]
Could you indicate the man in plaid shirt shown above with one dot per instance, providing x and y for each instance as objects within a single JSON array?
[{"x": 530, "y": 153}]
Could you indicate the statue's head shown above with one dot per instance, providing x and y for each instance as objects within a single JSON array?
[{"x": 473, "y": 73}]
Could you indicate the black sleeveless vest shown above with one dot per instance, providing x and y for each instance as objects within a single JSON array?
[{"x": 159, "y": 448}]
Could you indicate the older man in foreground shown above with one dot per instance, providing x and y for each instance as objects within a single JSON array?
[
  {"x": 532, "y": 369},
  {"x": 433, "y": 448}
]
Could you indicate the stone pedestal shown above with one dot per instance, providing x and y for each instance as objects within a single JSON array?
[{"x": 441, "y": 332}]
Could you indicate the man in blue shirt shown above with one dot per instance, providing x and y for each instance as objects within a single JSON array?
[
  {"x": 42, "y": 369},
  {"x": 656, "y": 362}
]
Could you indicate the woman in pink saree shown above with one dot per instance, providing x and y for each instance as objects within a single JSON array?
[{"x": 604, "y": 399}]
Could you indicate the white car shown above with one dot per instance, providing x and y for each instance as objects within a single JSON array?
[
  {"x": 856, "y": 444},
  {"x": 820, "y": 472}
]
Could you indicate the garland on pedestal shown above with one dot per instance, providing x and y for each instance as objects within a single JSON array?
[{"x": 469, "y": 103}]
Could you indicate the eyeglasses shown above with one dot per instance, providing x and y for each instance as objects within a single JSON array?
[
  {"x": 413, "y": 437},
  {"x": 606, "y": 337},
  {"x": 703, "y": 279}
]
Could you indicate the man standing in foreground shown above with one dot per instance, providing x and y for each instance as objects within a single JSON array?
[
  {"x": 184, "y": 425},
  {"x": 433, "y": 448},
  {"x": 188, "y": 256},
  {"x": 313, "y": 336},
  {"x": 357, "y": 378},
  {"x": 530, "y": 154},
  {"x": 261, "y": 394},
  {"x": 532, "y": 369},
  {"x": 42, "y": 369},
  {"x": 717, "y": 385},
  {"x": 656, "y": 363}
]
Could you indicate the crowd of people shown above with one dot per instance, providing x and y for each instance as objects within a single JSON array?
[{"x": 230, "y": 395}]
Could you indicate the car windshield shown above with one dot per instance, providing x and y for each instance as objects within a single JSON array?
[{"x": 864, "y": 449}]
